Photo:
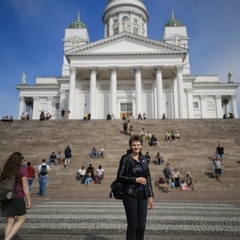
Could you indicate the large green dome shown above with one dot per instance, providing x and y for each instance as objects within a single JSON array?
[
  {"x": 78, "y": 23},
  {"x": 173, "y": 22}
]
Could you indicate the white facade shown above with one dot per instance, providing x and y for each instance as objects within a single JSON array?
[{"x": 128, "y": 73}]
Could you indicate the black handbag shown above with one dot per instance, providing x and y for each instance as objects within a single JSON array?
[{"x": 117, "y": 188}]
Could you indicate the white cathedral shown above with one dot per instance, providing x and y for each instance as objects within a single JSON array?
[{"x": 128, "y": 73}]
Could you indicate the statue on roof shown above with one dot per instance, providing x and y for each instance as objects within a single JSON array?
[
  {"x": 177, "y": 40},
  {"x": 230, "y": 77},
  {"x": 23, "y": 78}
]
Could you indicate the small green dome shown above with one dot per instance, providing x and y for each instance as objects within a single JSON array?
[
  {"x": 78, "y": 23},
  {"x": 173, "y": 22}
]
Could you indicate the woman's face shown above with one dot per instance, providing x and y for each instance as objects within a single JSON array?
[{"x": 136, "y": 146}]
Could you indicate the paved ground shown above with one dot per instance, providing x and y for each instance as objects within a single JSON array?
[
  {"x": 91, "y": 215},
  {"x": 176, "y": 216},
  {"x": 176, "y": 196}
]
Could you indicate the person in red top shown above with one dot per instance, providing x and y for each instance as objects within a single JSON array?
[
  {"x": 31, "y": 175},
  {"x": 15, "y": 210}
]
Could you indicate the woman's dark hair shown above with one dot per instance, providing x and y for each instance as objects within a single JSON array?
[
  {"x": 28, "y": 164},
  {"x": 135, "y": 138},
  {"x": 12, "y": 166}
]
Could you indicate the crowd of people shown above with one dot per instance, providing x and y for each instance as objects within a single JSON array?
[
  {"x": 174, "y": 179},
  {"x": 97, "y": 152},
  {"x": 86, "y": 176},
  {"x": 142, "y": 116},
  {"x": 218, "y": 165},
  {"x": 43, "y": 116},
  {"x": 25, "y": 116},
  {"x": 87, "y": 117},
  {"x": 172, "y": 135},
  {"x": 7, "y": 119},
  {"x": 59, "y": 158},
  {"x": 110, "y": 117},
  {"x": 158, "y": 159},
  {"x": 228, "y": 116},
  {"x": 16, "y": 164}
]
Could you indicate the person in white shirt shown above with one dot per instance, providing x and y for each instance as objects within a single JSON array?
[
  {"x": 100, "y": 152},
  {"x": 176, "y": 177},
  {"x": 80, "y": 173},
  {"x": 100, "y": 174}
]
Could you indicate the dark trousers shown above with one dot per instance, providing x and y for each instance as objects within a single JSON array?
[{"x": 136, "y": 211}]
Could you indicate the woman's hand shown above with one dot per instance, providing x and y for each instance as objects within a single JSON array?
[
  {"x": 141, "y": 180},
  {"x": 28, "y": 205},
  {"x": 150, "y": 203}
]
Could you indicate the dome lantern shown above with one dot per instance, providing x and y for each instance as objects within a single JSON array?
[
  {"x": 173, "y": 22},
  {"x": 78, "y": 23}
]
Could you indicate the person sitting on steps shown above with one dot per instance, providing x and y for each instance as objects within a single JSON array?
[
  {"x": 94, "y": 152},
  {"x": 153, "y": 141},
  {"x": 80, "y": 173},
  {"x": 52, "y": 159}
]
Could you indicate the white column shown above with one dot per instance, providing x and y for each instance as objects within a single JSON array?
[
  {"x": 62, "y": 100},
  {"x": 175, "y": 98},
  {"x": 49, "y": 105},
  {"x": 21, "y": 107},
  {"x": 160, "y": 110},
  {"x": 180, "y": 90},
  {"x": 219, "y": 106},
  {"x": 190, "y": 102},
  {"x": 234, "y": 106},
  {"x": 227, "y": 110},
  {"x": 155, "y": 97},
  {"x": 113, "y": 71},
  {"x": 35, "y": 108},
  {"x": 138, "y": 90},
  {"x": 28, "y": 108},
  {"x": 203, "y": 106},
  {"x": 93, "y": 80},
  {"x": 71, "y": 100}
]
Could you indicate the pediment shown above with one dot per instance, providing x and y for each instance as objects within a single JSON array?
[{"x": 126, "y": 43}]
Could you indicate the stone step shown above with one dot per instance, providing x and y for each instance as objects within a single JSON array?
[{"x": 199, "y": 140}]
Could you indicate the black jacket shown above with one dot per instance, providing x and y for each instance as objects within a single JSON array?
[{"x": 129, "y": 169}]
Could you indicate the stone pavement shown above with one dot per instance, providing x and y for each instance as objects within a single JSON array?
[{"x": 60, "y": 220}]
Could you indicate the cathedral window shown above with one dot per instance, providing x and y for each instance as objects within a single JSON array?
[
  {"x": 195, "y": 105},
  {"x": 115, "y": 21},
  {"x": 135, "y": 30},
  {"x": 57, "y": 106},
  {"x": 115, "y": 31},
  {"x": 135, "y": 20}
]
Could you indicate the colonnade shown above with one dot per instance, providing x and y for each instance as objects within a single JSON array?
[
  {"x": 179, "y": 112},
  {"x": 160, "y": 108}
]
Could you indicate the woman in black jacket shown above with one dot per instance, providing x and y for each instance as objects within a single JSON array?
[{"x": 134, "y": 173}]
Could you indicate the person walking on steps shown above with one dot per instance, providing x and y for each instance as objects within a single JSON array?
[{"x": 43, "y": 171}]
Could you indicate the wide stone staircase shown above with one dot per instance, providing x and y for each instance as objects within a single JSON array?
[{"x": 199, "y": 139}]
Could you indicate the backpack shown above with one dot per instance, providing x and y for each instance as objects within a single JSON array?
[
  {"x": 43, "y": 170},
  {"x": 7, "y": 189},
  {"x": 161, "y": 180}
]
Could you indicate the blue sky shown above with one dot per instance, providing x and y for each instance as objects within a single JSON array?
[{"x": 31, "y": 33}]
